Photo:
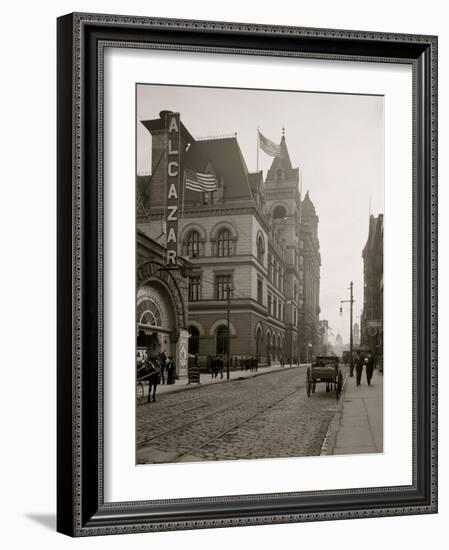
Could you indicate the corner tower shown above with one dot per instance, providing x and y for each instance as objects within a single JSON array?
[{"x": 282, "y": 206}]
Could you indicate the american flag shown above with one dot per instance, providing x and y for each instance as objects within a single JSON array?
[
  {"x": 268, "y": 146},
  {"x": 199, "y": 181}
]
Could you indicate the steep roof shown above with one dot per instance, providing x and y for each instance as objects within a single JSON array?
[
  {"x": 375, "y": 227},
  {"x": 308, "y": 208},
  {"x": 142, "y": 184},
  {"x": 282, "y": 163},
  {"x": 223, "y": 157}
]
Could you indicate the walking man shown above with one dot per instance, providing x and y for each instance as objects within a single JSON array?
[
  {"x": 359, "y": 362},
  {"x": 171, "y": 370},
  {"x": 214, "y": 367},
  {"x": 162, "y": 363},
  {"x": 369, "y": 368},
  {"x": 352, "y": 363}
]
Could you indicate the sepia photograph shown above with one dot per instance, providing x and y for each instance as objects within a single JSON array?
[{"x": 259, "y": 273}]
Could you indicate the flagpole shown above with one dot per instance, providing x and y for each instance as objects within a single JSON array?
[
  {"x": 257, "y": 142},
  {"x": 183, "y": 194}
]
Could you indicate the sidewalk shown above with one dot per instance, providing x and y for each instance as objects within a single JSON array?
[
  {"x": 360, "y": 429},
  {"x": 207, "y": 380}
]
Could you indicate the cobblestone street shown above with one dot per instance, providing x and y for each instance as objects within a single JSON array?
[{"x": 268, "y": 416}]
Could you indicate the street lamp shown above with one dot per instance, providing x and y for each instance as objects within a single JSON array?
[{"x": 229, "y": 288}]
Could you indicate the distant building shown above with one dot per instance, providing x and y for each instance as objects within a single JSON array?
[
  {"x": 256, "y": 237},
  {"x": 356, "y": 334},
  {"x": 324, "y": 330},
  {"x": 338, "y": 346},
  {"x": 372, "y": 317}
]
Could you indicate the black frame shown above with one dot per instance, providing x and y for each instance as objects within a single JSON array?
[{"x": 81, "y": 510}]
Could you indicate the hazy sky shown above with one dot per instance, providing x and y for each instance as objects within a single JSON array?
[{"x": 338, "y": 142}]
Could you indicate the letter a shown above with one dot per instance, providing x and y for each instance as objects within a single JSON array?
[
  {"x": 171, "y": 235},
  {"x": 173, "y": 125},
  {"x": 172, "y": 193}
]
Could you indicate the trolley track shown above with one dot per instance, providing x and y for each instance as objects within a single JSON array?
[
  {"x": 187, "y": 424},
  {"x": 237, "y": 425},
  {"x": 162, "y": 419},
  {"x": 223, "y": 422}
]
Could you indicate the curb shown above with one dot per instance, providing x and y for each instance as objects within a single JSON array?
[{"x": 328, "y": 445}]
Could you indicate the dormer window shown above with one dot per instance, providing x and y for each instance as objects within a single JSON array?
[{"x": 279, "y": 176}]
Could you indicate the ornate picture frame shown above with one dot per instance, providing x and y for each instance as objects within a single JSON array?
[{"x": 81, "y": 507}]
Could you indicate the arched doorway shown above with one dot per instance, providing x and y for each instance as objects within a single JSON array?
[
  {"x": 156, "y": 319},
  {"x": 258, "y": 342},
  {"x": 222, "y": 340},
  {"x": 194, "y": 340}
]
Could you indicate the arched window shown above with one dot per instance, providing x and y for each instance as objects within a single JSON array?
[
  {"x": 258, "y": 342},
  {"x": 194, "y": 340},
  {"x": 222, "y": 340},
  {"x": 193, "y": 244},
  {"x": 260, "y": 249},
  {"x": 149, "y": 313},
  {"x": 224, "y": 243},
  {"x": 279, "y": 212}
]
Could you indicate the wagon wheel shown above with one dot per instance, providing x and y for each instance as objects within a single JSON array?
[
  {"x": 339, "y": 383},
  {"x": 308, "y": 381}
]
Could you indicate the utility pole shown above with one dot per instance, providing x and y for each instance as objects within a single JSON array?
[
  {"x": 228, "y": 295},
  {"x": 291, "y": 351},
  {"x": 351, "y": 341}
]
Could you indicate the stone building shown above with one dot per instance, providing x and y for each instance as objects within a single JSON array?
[
  {"x": 372, "y": 316},
  {"x": 325, "y": 347},
  {"x": 252, "y": 236}
]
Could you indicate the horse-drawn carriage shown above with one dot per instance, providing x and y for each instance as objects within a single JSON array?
[{"x": 325, "y": 369}]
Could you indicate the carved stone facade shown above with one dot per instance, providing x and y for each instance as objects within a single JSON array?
[
  {"x": 256, "y": 237},
  {"x": 161, "y": 298},
  {"x": 372, "y": 317}
]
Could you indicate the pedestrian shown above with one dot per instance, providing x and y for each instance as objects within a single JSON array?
[
  {"x": 171, "y": 370},
  {"x": 220, "y": 366},
  {"x": 359, "y": 362},
  {"x": 213, "y": 367},
  {"x": 242, "y": 362},
  {"x": 369, "y": 368},
  {"x": 247, "y": 363},
  {"x": 352, "y": 363},
  {"x": 162, "y": 363}
]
